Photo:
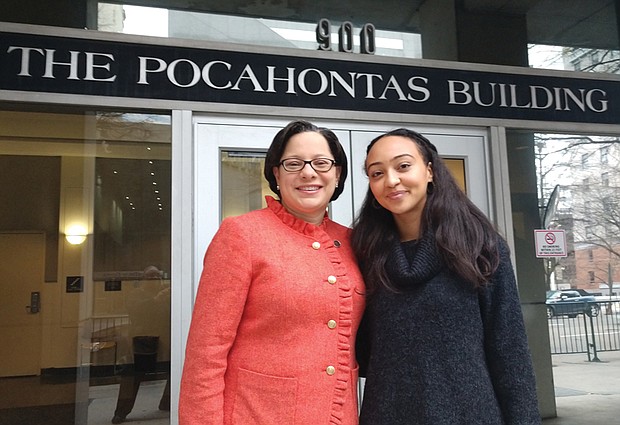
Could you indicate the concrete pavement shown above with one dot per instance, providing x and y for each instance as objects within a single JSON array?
[{"x": 587, "y": 393}]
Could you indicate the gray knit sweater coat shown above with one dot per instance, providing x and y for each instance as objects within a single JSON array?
[{"x": 441, "y": 353}]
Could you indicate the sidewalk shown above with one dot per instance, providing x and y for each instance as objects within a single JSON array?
[{"x": 587, "y": 393}]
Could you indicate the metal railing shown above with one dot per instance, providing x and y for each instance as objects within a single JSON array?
[{"x": 587, "y": 332}]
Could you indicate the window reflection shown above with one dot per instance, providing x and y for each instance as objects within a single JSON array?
[
  {"x": 107, "y": 173},
  {"x": 243, "y": 186},
  {"x": 574, "y": 58},
  {"x": 236, "y": 29}
]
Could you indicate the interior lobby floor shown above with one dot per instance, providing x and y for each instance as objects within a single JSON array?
[{"x": 27, "y": 401}]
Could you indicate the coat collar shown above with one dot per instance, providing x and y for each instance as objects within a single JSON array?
[{"x": 426, "y": 263}]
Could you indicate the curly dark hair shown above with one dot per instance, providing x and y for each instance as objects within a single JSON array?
[{"x": 281, "y": 139}]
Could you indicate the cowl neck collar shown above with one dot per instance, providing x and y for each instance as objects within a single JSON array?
[{"x": 425, "y": 265}]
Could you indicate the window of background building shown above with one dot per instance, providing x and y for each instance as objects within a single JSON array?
[
  {"x": 584, "y": 160},
  {"x": 605, "y": 179},
  {"x": 605, "y": 155}
]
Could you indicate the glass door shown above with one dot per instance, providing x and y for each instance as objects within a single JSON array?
[
  {"x": 229, "y": 161},
  {"x": 229, "y": 164},
  {"x": 464, "y": 151}
]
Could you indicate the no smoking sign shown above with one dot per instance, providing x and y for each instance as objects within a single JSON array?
[{"x": 550, "y": 243}]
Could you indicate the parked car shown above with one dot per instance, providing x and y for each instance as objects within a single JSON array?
[{"x": 571, "y": 303}]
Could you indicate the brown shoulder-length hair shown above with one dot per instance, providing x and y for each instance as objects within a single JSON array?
[
  {"x": 281, "y": 139},
  {"x": 465, "y": 238}
]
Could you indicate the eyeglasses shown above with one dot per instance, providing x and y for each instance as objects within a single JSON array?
[{"x": 320, "y": 165}]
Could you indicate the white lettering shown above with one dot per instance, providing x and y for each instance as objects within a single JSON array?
[
  {"x": 172, "y": 75},
  {"x": 536, "y": 92},
  {"x": 454, "y": 90},
  {"x": 602, "y": 103},
  {"x": 477, "y": 97},
  {"x": 25, "y": 63},
  {"x": 392, "y": 84},
  {"x": 221, "y": 75},
  {"x": 301, "y": 81},
  {"x": 502, "y": 95},
  {"x": 579, "y": 101},
  {"x": 290, "y": 79},
  {"x": 426, "y": 93},
  {"x": 90, "y": 66},
  {"x": 348, "y": 87},
  {"x": 206, "y": 74},
  {"x": 50, "y": 63},
  {"x": 248, "y": 74},
  {"x": 513, "y": 97},
  {"x": 369, "y": 84},
  {"x": 144, "y": 68}
]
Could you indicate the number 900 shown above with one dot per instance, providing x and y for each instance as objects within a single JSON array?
[{"x": 345, "y": 37}]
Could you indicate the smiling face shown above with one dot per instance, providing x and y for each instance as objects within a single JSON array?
[
  {"x": 306, "y": 193},
  {"x": 398, "y": 176}
]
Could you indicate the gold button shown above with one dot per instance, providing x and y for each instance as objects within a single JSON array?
[
  {"x": 330, "y": 370},
  {"x": 331, "y": 279},
  {"x": 316, "y": 245},
  {"x": 331, "y": 324}
]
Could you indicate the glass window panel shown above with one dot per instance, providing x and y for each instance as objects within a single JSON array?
[
  {"x": 583, "y": 200},
  {"x": 457, "y": 168},
  {"x": 243, "y": 186},
  {"x": 574, "y": 59},
  {"x": 93, "y": 293},
  {"x": 238, "y": 29}
]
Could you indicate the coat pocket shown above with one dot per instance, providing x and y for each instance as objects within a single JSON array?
[{"x": 264, "y": 399}]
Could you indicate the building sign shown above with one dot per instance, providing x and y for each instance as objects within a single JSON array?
[
  {"x": 40, "y": 63},
  {"x": 550, "y": 243}
]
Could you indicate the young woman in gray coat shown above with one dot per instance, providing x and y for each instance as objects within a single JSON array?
[{"x": 443, "y": 340}]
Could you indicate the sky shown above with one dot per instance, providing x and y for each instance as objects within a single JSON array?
[{"x": 146, "y": 21}]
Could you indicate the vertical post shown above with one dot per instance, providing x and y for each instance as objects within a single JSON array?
[
  {"x": 617, "y": 7},
  {"x": 585, "y": 329},
  {"x": 610, "y": 279},
  {"x": 595, "y": 358}
]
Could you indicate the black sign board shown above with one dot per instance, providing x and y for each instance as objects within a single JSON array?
[
  {"x": 51, "y": 64},
  {"x": 75, "y": 284}
]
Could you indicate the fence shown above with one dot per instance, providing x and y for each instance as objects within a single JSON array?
[{"x": 592, "y": 331}]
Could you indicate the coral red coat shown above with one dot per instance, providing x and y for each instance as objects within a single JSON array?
[{"x": 272, "y": 338}]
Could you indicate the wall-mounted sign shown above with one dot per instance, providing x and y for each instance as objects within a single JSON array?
[
  {"x": 550, "y": 243},
  {"x": 51, "y": 64},
  {"x": 113, "y": 285},
  {"x": 75, "y": 284}
]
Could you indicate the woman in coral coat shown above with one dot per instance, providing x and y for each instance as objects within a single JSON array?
[{"x": 272, "y": 338}]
